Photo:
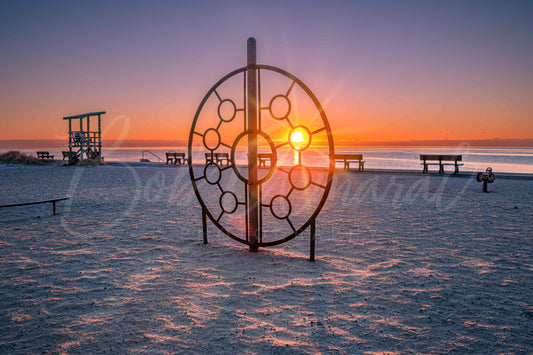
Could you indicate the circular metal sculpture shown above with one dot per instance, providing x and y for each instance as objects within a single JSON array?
[{"x": 235, "y": 186}]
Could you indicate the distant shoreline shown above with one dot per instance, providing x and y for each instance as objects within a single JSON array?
[{"x": 139, "y": 143}]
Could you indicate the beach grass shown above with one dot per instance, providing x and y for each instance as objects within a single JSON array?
[{"x": 16, "y": 157}]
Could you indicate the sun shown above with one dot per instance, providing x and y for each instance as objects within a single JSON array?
[
  {"x": 300, "y": 138},
  {"x": 297, "y": 137}
]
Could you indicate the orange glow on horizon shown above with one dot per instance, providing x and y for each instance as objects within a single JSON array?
[{"x": 405, "y": 80}]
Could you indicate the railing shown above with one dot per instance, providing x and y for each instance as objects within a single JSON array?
[
  {"x": 53, "y": 201},
  {"x": 147, "y": 151}
]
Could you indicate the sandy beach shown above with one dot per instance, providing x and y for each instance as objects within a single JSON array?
[{"x": 406, "y": 263}]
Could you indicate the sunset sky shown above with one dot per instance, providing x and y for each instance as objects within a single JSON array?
[{"x": 383, "y": 70}]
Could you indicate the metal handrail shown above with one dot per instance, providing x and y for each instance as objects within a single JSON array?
[
  {"x": 147, "y": 151},
  {"x": 53, "y": 201}
]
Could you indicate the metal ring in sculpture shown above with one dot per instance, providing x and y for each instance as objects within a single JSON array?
[{"x": 225, "y": 202}]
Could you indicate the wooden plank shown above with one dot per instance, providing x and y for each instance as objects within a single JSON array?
[
  {"x": 348, "y": 156},
  {"x": 441, "y": 157},
  {"x": 84, "y": 115}
]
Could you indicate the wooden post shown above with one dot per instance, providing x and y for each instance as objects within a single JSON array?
[
  {"x": 99, "y": 139},
  {"x": 88, "y": 134},
  {"x": 204, "y": 224},
  {"x": 54, "y": 206},
  {"x": 312, "y": 242},
  {"x": 82, "y": 150},
  {"x": 69, "y": 141},
  {"x": 253, "y": 220}
]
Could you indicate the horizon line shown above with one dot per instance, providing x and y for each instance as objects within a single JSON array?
[{"x": 494, "y": 142}]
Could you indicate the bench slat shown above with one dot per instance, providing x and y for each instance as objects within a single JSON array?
[
  {"x": 441, "y": 157},
  {"x": 348, "y": 156}
]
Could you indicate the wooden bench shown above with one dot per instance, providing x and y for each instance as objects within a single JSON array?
[
  {"x": 263, "y": 158},
  {"x": 440, "y": 158},
  {"x": 218, "y": 158},
  {"x": 175, "y": 158},
  {"x": 44, "y": 155},
  {"x": 53, "y": 201},
  {"x": 350, "y": 158}
]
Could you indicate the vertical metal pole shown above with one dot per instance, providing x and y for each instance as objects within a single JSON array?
[
  {"x": 312, "y": 242},
  {"x": 204, "y": 224},
  {"x": 54, "y": 207},
  {"x": 253, "y": 220}
]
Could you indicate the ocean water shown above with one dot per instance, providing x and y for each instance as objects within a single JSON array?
[{"x": 509, "y": 160}]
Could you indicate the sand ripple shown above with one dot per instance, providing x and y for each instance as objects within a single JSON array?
[{"x": 405, "y": 265}]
